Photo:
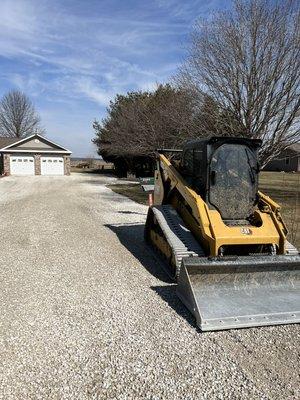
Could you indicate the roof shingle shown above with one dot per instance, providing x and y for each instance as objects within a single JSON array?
[
  {"x": 5, "y": 141},
  {"x": 295, "y": 147}
]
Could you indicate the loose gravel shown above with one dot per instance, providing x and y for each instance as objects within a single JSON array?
[{"x": 88, "y": 313}]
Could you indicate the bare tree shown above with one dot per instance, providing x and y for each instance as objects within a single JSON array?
[
  {"x": 248, "y": 61},
  {"x": 18, "y": 117}
]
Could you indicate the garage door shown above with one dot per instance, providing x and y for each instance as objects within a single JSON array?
[
  {"x": 21, "y": 165},
  {"x": 52, "y": 166}
]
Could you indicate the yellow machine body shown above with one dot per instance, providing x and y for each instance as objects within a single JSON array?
[
  {"x": 231, "y": 272},
  {"x": 208, "y": 225}
]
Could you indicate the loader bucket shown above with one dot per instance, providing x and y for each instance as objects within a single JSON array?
[{"x": 241, "y": 292}]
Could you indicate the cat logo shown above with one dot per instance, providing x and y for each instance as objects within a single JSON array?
[{"x": 246, "y": 231}]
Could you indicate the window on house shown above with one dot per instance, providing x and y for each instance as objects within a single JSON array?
[{"x": 287, "y": 160}]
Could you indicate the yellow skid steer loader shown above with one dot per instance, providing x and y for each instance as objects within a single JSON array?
[{"x": 223, "y": 240}]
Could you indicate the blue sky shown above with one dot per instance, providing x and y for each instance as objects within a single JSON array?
[{"x": 72, "y": 56}]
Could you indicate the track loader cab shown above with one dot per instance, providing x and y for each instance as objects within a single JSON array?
[{"x": 224, "y": 172}]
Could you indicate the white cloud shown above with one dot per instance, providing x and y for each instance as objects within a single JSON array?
[
  {"x": 72, "y": 60},
  {"x": 80, "y": 45},
  {"x": 148, "y": 86},
  {"x": 20, "y": 27},
  {"x": 189, "y": 10},
  {"x": 91, "y": 89}
]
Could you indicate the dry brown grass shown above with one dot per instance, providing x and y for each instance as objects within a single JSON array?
[
  {"x": 284, "y": 188},
  {"x": 132, "y": 190},
  {"x": 104, "y": 170}
]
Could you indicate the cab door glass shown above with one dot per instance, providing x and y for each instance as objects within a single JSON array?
[
  {"x": 199, "y": 174},
  {"x": 233, "y": 181},
  {"x": 188, "y": 162}
]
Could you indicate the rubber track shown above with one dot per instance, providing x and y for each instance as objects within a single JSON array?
[{"x": 179, "y": 237}]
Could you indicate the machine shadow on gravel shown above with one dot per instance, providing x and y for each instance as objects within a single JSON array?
[
  {"x": 168, "y": 294},
  {"x": 99, "y": 181},
  {"x": 132, "y": 212},
  {"x": 132, "y": 237}
]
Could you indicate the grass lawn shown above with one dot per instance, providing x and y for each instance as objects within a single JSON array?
[
  {"x": 284, "y": 188},
  {"x": 132, "y": 190}
]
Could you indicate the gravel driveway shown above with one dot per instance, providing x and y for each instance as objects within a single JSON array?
[{"x": 87, "y": 313}]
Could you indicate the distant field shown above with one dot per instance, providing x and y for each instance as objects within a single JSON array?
[{"x": 283, "y": 188}]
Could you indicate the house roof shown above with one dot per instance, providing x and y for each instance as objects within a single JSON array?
[
  {"x": 6, "y": 141},
  {"x": 295, "y": 147},
  {"x": 11, "y": 144}
]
